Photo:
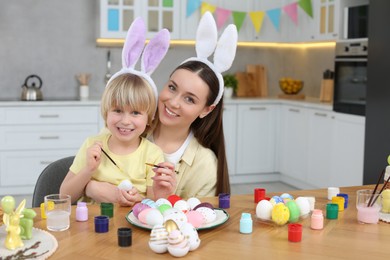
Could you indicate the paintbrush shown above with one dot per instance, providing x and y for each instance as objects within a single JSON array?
[
  {"x": 157, "y": 166},
  {"x": 112, "y": 160},
  {"x": 380, "y": 192},
  {"x": 376, "y": 187}
]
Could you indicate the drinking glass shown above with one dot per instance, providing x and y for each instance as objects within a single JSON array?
[
  {"x": 57, "y": 209},
  {"x": 368, "y": 213}
]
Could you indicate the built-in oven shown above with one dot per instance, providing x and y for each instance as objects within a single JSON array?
[{"x": 350, "y": 79}]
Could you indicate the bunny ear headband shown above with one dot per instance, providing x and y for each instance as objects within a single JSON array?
[
  {"x": 224, "y": 49},
  {"x": 152, "y": 55}
]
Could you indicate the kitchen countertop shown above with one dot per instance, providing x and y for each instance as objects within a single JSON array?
[{"x": 307, "y": 102}]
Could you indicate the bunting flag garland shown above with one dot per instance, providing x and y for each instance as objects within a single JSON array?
[
  {"x": 274, "y": 16},
  {"x": 257, "y": 17},
  {"x": 238, "y": 18},
  {"x": 207, "y": 7},
  {"x": 192, "y": 6},
  {"x": 292, "y": 11},
  {"x": 306, "y": 6},
  {"x": 222, "y": 16}
]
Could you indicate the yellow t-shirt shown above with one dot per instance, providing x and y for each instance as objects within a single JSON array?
[{"x": 133, "y": 165}]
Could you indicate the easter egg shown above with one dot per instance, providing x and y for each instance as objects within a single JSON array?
[
  {"x": 154, "y": 217},
  {"x": 209, "y": 215},
  {"x": 264, "y": 209},
  {"x": 173, "y": 198},
  {"x": 159, "y": 239},
  {"x": 304, "y": 205},
  {"x": 179, "y": 217},
  {"x": 138, "y": 208},
  {"x": 162, "y": 201},
  {"x": 150, "y": 203},
  {"x": 294, "y": 211},
  {"x": 178, "y": 245},
  {"x": 193, "y": 202},
  {"x": 275, "y": 200},
  {"x": 191, "y": 234},
  {"x": 195, "y": 218},
  {"x": 181, "y": 205},
  {"x": 142, "y": 215},
  {"x": 162, "y": 208},
  {"x": 204, "y": 204},
  {"x": 280, "y": 214}
]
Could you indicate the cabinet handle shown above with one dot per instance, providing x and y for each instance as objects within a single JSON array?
[
  {"x": 294, "y": 110},
  {"x": 320, "y": 114},
  {"x": 257, "y": 108},
  {"x": 45, "y": 162},
  {"x": 49, "y": 116},
  {"x": 49, "y": 137}
]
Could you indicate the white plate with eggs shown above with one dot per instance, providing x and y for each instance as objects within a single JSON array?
[{"x": 222, "y": 217}]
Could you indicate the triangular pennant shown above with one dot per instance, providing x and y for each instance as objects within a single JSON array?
[
  {"x": 257, "y": 19},
  {"x": 207, "y": 7},
  {"x": 192, "y": 5},
  {"x": 292, "y": 11},
  {"x": 306, "y": 6},
  {"x": 274, "y": 16},
  {"x": 238, "y": 18},
  {"x": 222, "y": 16}
]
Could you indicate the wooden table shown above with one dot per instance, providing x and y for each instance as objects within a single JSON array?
[{"x": 341, "y": 238}]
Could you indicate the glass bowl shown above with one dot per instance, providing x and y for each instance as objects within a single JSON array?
[{"x": 290, "y": 86}]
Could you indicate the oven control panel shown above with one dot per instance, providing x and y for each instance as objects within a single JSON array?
[{"x": 348, "y": 48}]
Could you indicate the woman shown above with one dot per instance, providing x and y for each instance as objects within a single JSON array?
[{"x": 189, "y": 126}]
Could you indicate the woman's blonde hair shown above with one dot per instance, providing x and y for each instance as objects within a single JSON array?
[{"x": 129, "y": 90}]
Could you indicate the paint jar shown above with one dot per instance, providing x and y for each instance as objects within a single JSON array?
[
  {"x": 81, "y": 211},
  {"x": 332, "y": 211},
  {"x": 294, "y": 232},
  {"x": 246, "y": 223},
  {"x": 224, "y": 200},
  {"x": 317, "y": 219},
  {"x": 124, "y": 237},
  {"x": 107, "y": 209},
  {"x": 259, "y": 194},
  {"x": 101, "y": 224}
]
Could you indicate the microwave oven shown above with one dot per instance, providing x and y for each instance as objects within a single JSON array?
[{"x": 356, "y": 21}]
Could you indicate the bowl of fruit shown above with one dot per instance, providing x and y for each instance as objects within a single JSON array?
[{"x": 290, "y": 86}]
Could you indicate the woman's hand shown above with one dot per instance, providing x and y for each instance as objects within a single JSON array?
[{"x": 164, "y": 181}]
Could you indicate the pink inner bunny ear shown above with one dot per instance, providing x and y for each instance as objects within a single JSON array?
[
  {"x": 155, "y": 51},
  {"x": 134, "y": 43}
]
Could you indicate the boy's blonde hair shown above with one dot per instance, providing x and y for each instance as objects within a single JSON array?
[{"x": 129, "y": 90}]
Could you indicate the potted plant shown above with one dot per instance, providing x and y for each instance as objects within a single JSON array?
[{"x": 231, "y": 84}]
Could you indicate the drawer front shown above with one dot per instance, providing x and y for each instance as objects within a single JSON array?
[
  {"x": 50, "y": 115},
  {"x": 22, "y": 168},
  {"x": 45, "y": 137}
]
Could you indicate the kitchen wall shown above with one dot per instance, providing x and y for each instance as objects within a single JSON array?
[{"x": 55, "y": 39}]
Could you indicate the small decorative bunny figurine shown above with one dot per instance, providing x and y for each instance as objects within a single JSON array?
[
  {"x": 27, "y": 223},
  {"x": 11, "y": 219}
]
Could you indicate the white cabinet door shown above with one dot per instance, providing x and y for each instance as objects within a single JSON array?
[
  {"x": 293, "y": 143},
  {"x": 117, "y": 15},
  {"x": 230, "y": 132},
  {"x": 347, "y": 150},
  {"x": 327, "y": 18},
  {"x": 256, "y": 138},
  {"x": 319, "y": 147}
]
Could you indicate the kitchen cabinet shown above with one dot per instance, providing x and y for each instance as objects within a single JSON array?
[
  {"x": 347, "y": 150},
  {"x": 293, "y": 143},
  {"x": 230, "y": 132},
  {"x": 33, "y": 136},
  {"x": 117, "y": 15},
  {"x": 255, "y": 138},
  {"x": 320, "y": 133}
]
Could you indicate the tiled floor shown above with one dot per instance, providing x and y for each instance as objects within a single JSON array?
[{"x": 247, "y": 188}]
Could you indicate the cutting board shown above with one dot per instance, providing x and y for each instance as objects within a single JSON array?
[{"x": 253, "y": 82}]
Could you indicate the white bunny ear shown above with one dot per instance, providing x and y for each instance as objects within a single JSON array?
[
  {"x": 226, "y": 49},
  {"x": 155, "y": 51},
  {"x": 206, "y": 36},
  {"x": 134, "y": 43}
]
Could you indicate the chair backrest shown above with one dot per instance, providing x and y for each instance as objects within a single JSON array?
[{"x": 50, "y": 180}]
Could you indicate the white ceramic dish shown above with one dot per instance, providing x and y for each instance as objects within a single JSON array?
[{"x": 222, "y": 217}]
